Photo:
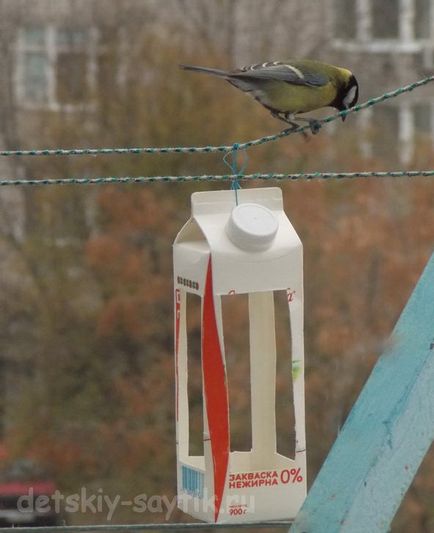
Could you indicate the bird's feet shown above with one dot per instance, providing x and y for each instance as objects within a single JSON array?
[
  {"x": 314, "y": 124},
  {"x": 294, "y": 126},
  {"x": 288, "y": 118}
]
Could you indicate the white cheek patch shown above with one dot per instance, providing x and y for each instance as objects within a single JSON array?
[{"x": 350, "y": 96}]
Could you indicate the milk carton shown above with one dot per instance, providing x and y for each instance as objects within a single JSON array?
[{"x": 239, "y": 243}]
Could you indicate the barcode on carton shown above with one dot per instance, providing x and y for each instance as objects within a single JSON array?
[{"x": 192, "y": 481}]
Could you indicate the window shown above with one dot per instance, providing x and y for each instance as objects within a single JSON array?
[
  {"x": 35, "y": 64},
  {"x": 399, "y": 132},
  {"x": 345, "y": 19},
  {"x": 54, "y": 66},
  {"x": 383, "y": 26},
  {"x": 386, "y": 128},
  {"x": 35, "y": 82},
  {"x": 423, "y": 114},
  {"x": 385, "y": 19},
  {"x": 423, "y": 18},
  {"x": 71, "y": 66}
]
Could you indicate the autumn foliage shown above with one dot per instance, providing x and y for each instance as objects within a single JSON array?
[{"x": 93, "y": 341}]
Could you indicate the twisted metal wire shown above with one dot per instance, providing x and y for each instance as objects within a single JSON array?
[
  {"x": 222, "y": 177},
  {"x": 124, "y": 528},
  {"x": 221, "y": 148}
]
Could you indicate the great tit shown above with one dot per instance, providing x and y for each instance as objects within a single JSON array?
[{"x": 287, "y": 88}]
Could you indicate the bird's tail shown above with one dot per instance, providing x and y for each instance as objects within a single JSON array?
[{"x": 205, "y": 70}]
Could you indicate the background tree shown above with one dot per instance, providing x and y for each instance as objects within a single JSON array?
[{"x": 86, "y": 299}]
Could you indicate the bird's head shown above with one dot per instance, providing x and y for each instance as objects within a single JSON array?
[{"x": 348, "y": 95}]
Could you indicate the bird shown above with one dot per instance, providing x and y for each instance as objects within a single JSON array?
[{"x": 288, "y": 88}]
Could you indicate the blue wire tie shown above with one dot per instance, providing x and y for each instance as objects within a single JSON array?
[{"x": 233, "y": 165}]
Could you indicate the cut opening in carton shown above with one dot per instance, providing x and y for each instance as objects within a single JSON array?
[
  {"x": 237, "y": 353},
  {"x": 285, "y": 416},
  {"x": 194, "y": 384}
]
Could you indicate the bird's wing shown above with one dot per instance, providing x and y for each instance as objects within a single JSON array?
[{"x": 280, "y": 71}]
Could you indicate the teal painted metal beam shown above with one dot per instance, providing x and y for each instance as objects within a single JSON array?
[{"x": 387, "y": 434}]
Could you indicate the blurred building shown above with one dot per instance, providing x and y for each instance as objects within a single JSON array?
[
  {"x": 56, "y": 54},
  {"x": 392, "y": 44},
  {"x": 52, "y": 52}
]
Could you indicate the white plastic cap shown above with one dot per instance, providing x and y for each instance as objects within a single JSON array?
[{"x": 252, "y": 227}]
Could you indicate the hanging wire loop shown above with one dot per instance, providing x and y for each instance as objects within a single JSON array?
[{"x": 231, "y": 160}]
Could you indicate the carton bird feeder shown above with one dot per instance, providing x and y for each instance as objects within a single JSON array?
[{"x": 239, "y": 243}]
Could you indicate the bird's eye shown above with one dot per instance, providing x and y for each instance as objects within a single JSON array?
[{"x": 351, "y": 97}]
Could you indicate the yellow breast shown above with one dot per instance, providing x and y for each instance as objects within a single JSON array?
[{"x": 289, "y": 98}]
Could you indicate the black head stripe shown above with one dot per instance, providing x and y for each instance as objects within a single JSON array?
[{"x": 347, "y": 95}]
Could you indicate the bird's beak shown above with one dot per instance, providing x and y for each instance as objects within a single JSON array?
[{"x": 343, "y": 117}]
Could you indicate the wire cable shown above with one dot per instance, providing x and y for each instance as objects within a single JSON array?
[
  {"x": 101, "y": 180},
  {"x": 221, "y": 148},
  {"x": 124, "y": 528}
]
